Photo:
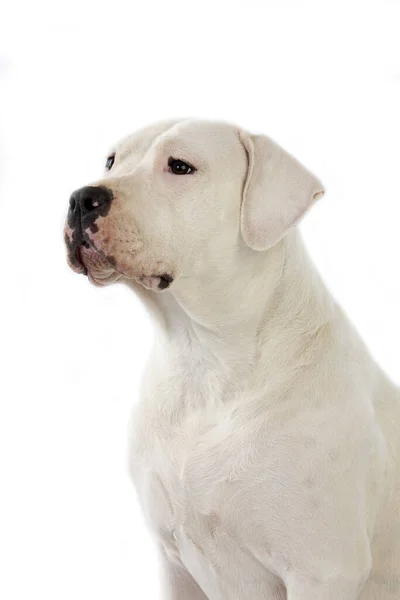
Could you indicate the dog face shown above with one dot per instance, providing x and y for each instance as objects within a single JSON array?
[{"x": 179, "y": 199}]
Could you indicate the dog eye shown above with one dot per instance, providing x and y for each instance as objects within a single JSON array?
[
  {"x": 179, "y": 167},
  {"x": 110, "y": 162}
]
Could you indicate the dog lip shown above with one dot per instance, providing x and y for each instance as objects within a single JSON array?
[
  {"x": 165, "y": 281},
  {"x": 78, "y": 257},
  {"x": 155, "y": 282}
]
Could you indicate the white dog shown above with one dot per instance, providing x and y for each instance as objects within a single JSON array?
[{"x": 266, "y": 446}]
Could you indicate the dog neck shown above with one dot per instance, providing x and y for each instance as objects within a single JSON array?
[{"x": 265, "y": 306}]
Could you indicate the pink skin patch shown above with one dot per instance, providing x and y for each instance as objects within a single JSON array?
[
  {"x": 68, "y": 232},
  {"x": 89, "y": 234},
  {"x": 99, "y": 241},
  {"x": 72, "y": 254}
]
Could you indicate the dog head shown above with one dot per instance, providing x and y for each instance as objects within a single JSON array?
[{"x": 179, "y": 199}]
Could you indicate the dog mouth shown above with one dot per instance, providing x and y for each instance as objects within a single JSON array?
[
  {"x": 99, "y": 269},
  {"x": 78, "y": 257},
  {"x": 86, "y": 259}
]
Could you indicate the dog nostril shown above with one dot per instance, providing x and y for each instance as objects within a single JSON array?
[
  {"x": 90, "y": 199},
  {"x": 94, "y": 197},
  {"x": 90, "y": 204}
]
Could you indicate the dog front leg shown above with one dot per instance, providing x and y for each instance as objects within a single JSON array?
[{"x": 177, "y": 583}]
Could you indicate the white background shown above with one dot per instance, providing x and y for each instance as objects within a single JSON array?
[{"x": 322, "y": 78}]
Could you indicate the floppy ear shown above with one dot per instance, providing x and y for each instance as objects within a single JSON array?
[{"x": 277, "y": 193}]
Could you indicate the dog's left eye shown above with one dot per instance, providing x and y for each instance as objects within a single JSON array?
[
  {"x": 110, "y": 161},
  {"x": 179, "y": 167}
]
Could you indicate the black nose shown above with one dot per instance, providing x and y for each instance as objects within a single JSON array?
[{"x": 90, "y": 198}]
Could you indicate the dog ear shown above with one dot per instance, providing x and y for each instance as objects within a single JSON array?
[{"x": 277, "y": 193}]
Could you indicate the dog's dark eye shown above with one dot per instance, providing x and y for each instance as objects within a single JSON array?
[
  {"x": 110, "y": 162},
  {"x": 179, "y": 167}
]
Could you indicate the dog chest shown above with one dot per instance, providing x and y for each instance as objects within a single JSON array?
[
  {"x": 159, "y": 462},
  {"x": 181, "y": 474},
  {"x": 177, "y": 471}
]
